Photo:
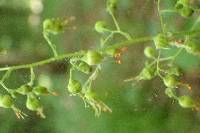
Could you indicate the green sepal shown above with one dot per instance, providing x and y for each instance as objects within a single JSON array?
[
  {"x": 186, "y": 102},
  {"x": 24, "y": 89},
  {"x": 32, "y": 103},
  {"x": 6, "y": 101}
]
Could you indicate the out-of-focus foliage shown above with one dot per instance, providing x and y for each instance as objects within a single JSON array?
[{"x": 141, "y": 109}]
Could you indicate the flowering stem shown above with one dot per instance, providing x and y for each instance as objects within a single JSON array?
[
  {"x": 43, "y": 62},
  {"x": 130, "y": 42}
]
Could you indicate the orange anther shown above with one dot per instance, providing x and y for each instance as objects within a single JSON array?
[
  {"x": 124, "y": 49},
  {"x": 119, "y": 62},
  {"x": 189, "y": 88}
]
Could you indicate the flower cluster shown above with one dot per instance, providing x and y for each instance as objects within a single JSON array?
[{"x": 90, "y": 62}]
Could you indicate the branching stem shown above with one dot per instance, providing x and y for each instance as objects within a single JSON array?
[{"x": 126, "y": 43}]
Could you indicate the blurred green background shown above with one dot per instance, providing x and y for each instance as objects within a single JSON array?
[{"x": 141, "y": 109}]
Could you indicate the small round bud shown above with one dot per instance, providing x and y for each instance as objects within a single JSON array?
[
  {"x": 93, "y": 57},
  {"x": 111, "y": 5},
  {"x": 186, "y": 12},
  {"x": 90, "y": 95},
  {"x": 150, "y": 52},
  {"x": 192, "y": 46},
  {"x": 161, "y": 41},
  {"x": 32, "y": 103},
  {"x": 81, "y": 66},
  {"x": 174, "y": 71},
  {"x": 40, "y": 90},
  {"x": 186, "y": 102},
  {"x": 183, "y": 7},
  {"x": 147, "y": 73},
  {"x": 54, "y": 26},
  {"x": 74, "y": 86},
  {"x": 170, "y": 81},
  {"x": 6, "y": 101},
  {"x": 84, "y": 67},
  {"x": 100, "y": 26},
  {"x": 24, "y": 89},
  {"x": 179, "y": 6},
  {"x": 112, "y": 52}
]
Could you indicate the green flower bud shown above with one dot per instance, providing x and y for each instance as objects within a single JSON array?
[
  {"x": 6, "y": 101},
  {"x": 40, "y": 90},
  {"x": 111, "y": 5},
  {"x": 183, "y": 7},
  {"x": 186, "y": 102},
  {"x": 24, "y": 89},
  {"x": 170, "y": 92},
  {"x": 147, "y": 73},
  {"x": 150, "y": 52},
  {"x": 82, "y": 66},
  {"x": 192, "y": 46},
  {"x": 93, "y": 57},
  {"x": 161, "y": 41},
  {"x": 54, "y": 26},
  {"x": 74, "y": 86},
  {"x": 174, "y": 71},
  {"x": 32, "y": 103},
  {"x": 100, "y": 26},
  {"x": 111, "y": 52},
  {"x": 186, "y": 12},
  {"x": 179, "y": 6},
  {"x": 170, "y": 81},
  {"x": 90, "y": 95}
]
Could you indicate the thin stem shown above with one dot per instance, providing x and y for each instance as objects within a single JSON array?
[
  {"x": 93, "y": 76},
  {"x": 160, "y": 16},
  {"x": 168, "y": 11},
  {"x": 136, "y": 78},
  {"x": 178, "y": 53},
  {"x": 126, "y": 35},
  {"x": 128, "y": 43},
  {"x": 195, "y": 23},
  {"x": 115, "y": 21},
  {"x": 191, "y": 32},
  {"x": 166, "y": 58},
  {"x": 157, "y": 66},
  {"x": 172, "y": 57},
  {"x": 6, "y": 75},
  {"x": 43, "y": 62},
  {"x": 70, "y": 73},
  {"x": 106, "y": 39},
  {"x": 32, "y": 76},
  {"x": 52, "y": 46},
  {"x": 5, "y": 87}
]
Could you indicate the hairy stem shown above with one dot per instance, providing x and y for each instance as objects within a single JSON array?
[
  {"x": 128, "y": 43},
  {"x": 43, "y": 62}
]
